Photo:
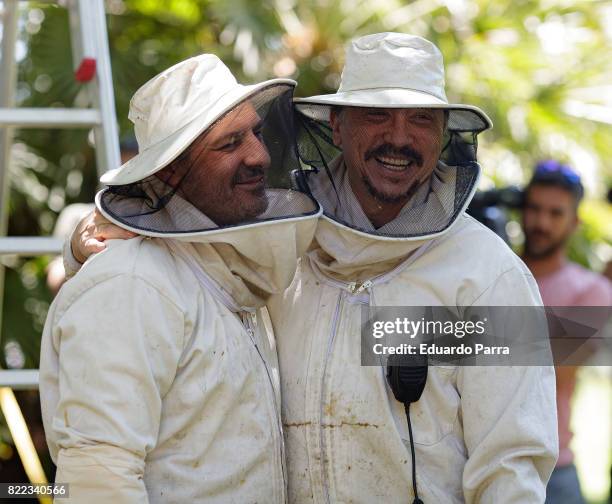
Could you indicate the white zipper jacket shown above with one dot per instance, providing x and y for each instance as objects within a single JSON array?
[
  {"x": 482, "y": 434},
  {"x": 157, "y": 384}
]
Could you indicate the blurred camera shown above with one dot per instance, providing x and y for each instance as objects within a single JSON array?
[{"x": 489, "y": 208}]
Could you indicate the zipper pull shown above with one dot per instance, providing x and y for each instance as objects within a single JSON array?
[
  {"x": 247, "y": 322},
  {"x": 365, "y": 285},
  {"x": 253, "y": 316}
]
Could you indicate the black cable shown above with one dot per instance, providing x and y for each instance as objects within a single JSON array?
[{"x": 414, "y": 485}]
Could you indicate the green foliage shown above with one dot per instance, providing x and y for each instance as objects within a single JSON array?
[
  {"x": 594, "y": 232},
  {"x": 26, "y": 303}
]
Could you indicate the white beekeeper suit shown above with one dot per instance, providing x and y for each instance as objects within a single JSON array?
[
  {"x": 159, "y": 378},
  {"x": 482, "y": 434}
]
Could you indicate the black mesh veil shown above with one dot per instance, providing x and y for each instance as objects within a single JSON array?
[
  {"x": 236, "y": 173},
  {"x": 433, "y": 206}
]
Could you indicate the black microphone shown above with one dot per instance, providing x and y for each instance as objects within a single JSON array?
[{"x": 407, "y": 383}]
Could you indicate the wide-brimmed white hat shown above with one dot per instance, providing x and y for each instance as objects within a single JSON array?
[
  {"x": 172, "y": 109},
  {"x": 394, "y": 70}
]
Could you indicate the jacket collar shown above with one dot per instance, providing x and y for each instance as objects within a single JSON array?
[{"x": 356, "y": 254}]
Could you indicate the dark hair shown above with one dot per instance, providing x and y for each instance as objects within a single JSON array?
[{"x": 552, "y": 173}]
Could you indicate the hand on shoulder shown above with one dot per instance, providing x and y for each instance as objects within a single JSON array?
[{"x": 90, "y": 234}]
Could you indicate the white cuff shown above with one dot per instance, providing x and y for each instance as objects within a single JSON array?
[{"x": 71, "y": 265}]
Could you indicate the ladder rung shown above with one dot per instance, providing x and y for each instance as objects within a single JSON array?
[
  {"x": 19, "y": 379},
  {"x": 31, "y": 246},
  {"x": 49, "y": 117}
]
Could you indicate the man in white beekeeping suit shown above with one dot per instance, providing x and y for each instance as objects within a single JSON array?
[
  {"x": 394, "y": 233},
  {"x": 393, "y": 165},
  {"x": 159, "y": 377}
]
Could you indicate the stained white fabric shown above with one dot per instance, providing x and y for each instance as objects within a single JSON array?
[
  {"x": 482, "y": 434},
  {"x": 153, "y": 387}
]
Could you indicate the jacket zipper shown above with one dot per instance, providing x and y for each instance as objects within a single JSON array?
[
  {"x": 330, "y": 344},
  {"x": 251, "y": 322},
  {"x": 351, "y": 288},
  {"x": 248, "y": 318}
]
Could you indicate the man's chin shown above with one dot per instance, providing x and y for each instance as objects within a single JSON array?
[
  {"x": 246, "y": 210},
  {"x": 393, "y": 196},
  {"x": 542, "y": 251},
  {"x": 257, "y": 206}
]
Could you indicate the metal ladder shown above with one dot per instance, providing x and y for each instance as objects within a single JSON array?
[
  {"x": 89, "y": 44},
  {"x": 92, "y": 65}
]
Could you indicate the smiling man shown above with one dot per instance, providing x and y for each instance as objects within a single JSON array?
[
  {"x": 386, "y": 170},
  {"x": 158, "y": 374},
  {"x": 394, "y": 166},
  {"x": 226, "y": 195}
]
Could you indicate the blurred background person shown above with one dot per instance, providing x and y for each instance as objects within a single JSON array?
[
  {"x": 608, "y": 273},
  {"x": 550, "y": 217}
]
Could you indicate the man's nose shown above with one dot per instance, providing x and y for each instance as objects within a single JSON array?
[
  {"x": 256, "y": 151},
  {"x": 399, "y": 132},
  {"x": 542, "y": 221}
]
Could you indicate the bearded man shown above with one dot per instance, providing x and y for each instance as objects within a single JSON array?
[
  {"x": 550, "y": 217},
  {"x": 393, "y": 165}
]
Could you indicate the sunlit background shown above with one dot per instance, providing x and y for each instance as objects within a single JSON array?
[{"x": 541, "y": 70}]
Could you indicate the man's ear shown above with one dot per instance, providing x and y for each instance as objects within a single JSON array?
[{"x": 335, "y": 121}]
